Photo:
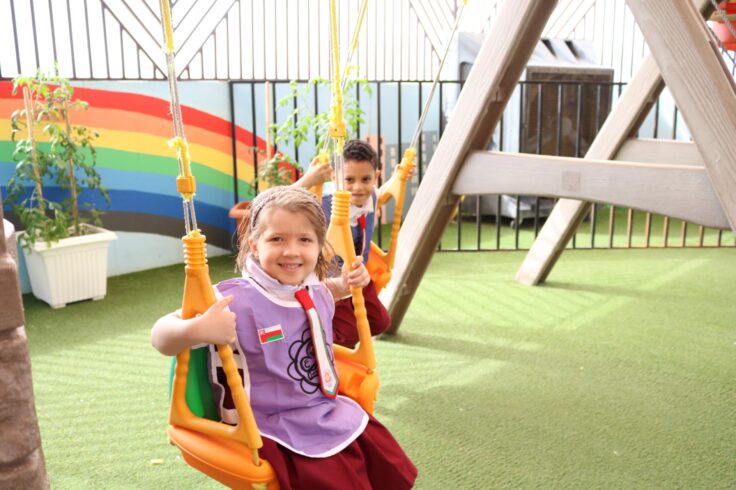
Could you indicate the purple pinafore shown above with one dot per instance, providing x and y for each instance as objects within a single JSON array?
[{"x": 279, "y": 368}]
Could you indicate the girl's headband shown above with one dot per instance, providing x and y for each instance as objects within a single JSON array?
[{"x": 272, "y": 194}]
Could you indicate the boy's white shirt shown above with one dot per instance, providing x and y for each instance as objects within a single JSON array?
[{"x": 357, "y": 211}]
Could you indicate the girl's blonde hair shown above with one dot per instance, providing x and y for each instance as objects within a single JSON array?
[{"x": 293, "y": 199}]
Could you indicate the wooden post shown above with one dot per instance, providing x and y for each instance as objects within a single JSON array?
[
  {"x": 497, "y": 69},
  {"x": 567, "y": 214},
  {"x": 21, "y": 456},
  {"x": 625, "y": 119},
  {"x": 697, "y": 77}
]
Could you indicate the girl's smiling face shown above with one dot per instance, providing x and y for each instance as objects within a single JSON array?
[{"x": 288, "y": 248}]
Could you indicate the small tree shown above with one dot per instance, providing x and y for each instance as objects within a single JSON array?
[
  {"x": 300, "y": 120},
  {"x": 66, "y": 158}
]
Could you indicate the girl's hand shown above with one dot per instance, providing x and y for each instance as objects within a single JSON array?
[
  {"x": 171, "y": 334},
  {"x": 217, "y": 324},
  {"x": 358, "y": 277}
]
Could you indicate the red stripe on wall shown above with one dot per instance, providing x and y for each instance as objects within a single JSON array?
[{"x": 146, "y": 104}]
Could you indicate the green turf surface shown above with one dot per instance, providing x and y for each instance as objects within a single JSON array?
[{"x": 619, "y": 373}]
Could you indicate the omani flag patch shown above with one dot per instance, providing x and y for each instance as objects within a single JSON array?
[{"x": 270, "y": 334}]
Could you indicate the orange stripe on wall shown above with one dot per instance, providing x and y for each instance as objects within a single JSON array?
[
  {"x": 219, "y": 159},
  {"x": 152, "y": 125},
  {"x": 115, "y": 119},
  {"x": 120, "y": 120}
]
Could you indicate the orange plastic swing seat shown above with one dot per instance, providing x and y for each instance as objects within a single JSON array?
[
  {"x": 356, "y": 382},
  {"x": 226, "y": 461},
  {"x": 378, "y": 267},
  {"x": 231, "y": 463}
]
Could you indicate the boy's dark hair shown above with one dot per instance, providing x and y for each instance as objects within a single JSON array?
[{"x": 360, "y": 151}]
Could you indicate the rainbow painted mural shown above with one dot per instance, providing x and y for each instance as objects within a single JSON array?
[{"x": 139, "y": 168}]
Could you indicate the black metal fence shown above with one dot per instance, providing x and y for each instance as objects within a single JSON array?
[{"x": 554, "y": 118}]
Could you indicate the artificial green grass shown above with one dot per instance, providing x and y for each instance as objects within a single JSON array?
[{"x": 620, "y": 372}]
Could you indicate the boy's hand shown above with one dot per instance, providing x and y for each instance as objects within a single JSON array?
[
  {"x": 411, "y": 170},
  {"x": 358, "y": 276},
  {"x": 316, "y": 174},
  {"x": 217, "y": 324}
]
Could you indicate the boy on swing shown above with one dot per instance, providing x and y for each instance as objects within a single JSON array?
[{"x": 361, "y": 176}]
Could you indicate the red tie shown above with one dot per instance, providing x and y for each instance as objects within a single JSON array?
[
  {"x": 328, "y": 381},
  {"x": 361, "y": 224}
]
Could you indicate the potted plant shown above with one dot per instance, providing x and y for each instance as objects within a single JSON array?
[
  {"x": 301, "y": 120},
  {"x": 62, "y": 240}
]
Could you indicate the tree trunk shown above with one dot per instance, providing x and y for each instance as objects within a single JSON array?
[{"x": 21, "y": 456}]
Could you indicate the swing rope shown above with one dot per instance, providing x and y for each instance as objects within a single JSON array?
[
  {"x": 323, "y": 157},
  {"x": 338, "y": 232},
  {"x": 724, "y": 18},
  {"x": 396, "y": 186},
  {"x": 337, "y": 122},
  {"x": 185, "y": 182},
  {"x": 198, "y": 292}
]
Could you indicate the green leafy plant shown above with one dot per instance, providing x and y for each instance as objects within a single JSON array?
[
  {"x": 64, "y": 157},
  {"x": 302, "y": 123}
]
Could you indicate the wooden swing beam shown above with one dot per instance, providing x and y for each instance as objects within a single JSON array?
[
  {"x": 702, "y": 174},
  {"x": 499, "y": 65},
  {"x": 691, "y": 66}
]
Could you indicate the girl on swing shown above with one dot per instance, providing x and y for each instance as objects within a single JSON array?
[{"x": 279, "y": 316}]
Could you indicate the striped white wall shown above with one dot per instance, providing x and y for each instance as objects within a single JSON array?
[{"x": 277, "y": 39}]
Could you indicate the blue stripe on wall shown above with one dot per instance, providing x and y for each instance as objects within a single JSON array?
[
  {"x": 148, "y": 203},
  {"x": 151, "y": 183}
]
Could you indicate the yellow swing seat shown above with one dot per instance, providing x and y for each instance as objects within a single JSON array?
[
  {"x": 226, "y": 461},
  {"x": 228, "y": 454},
  {"x": 230, "y": 462},
  {"x": 378, "y": 267},
  {"x": 381, "y": 263},
  {"x": 356, "y": 381},
  {"x": 356, "y": 368}
]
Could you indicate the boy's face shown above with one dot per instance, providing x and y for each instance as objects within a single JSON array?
[{"x": 360, "y": 179}]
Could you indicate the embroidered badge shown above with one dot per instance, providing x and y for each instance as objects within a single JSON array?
[
  {"x": 303, "y": 365},
  {"x": 270, "y": 334}
]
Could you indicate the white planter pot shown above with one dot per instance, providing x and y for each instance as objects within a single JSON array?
[{"x": 72, "y": 269}]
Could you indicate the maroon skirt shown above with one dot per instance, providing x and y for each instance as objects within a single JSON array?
[
  {"x": 373, "y": 461},
  {"x": 344, "y": 326}
]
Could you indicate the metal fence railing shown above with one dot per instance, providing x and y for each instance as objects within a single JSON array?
[{"x": 556, "y": 118}]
